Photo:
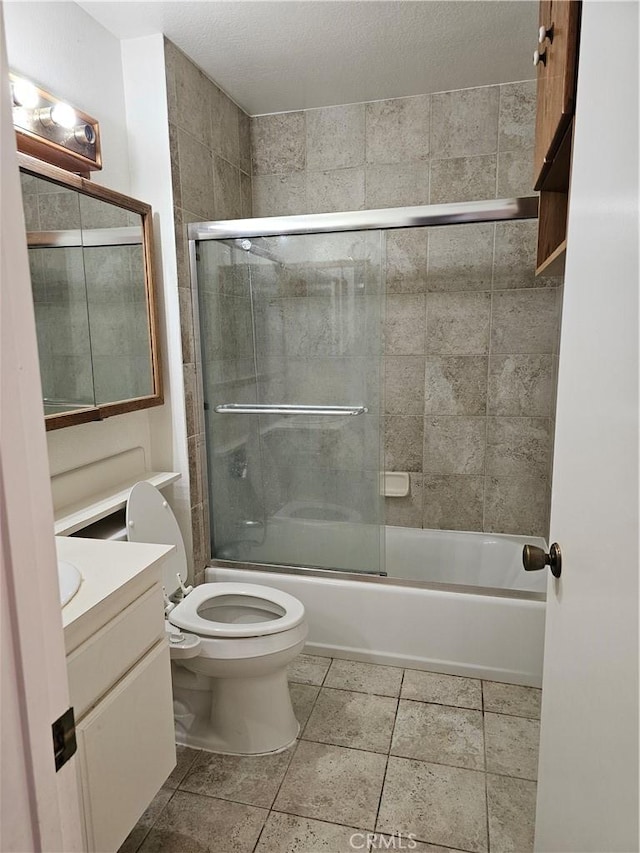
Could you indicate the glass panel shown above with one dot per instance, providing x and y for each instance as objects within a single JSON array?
[
  {"x": 89, "y": 288},
  {"x": 294, "y": 320},
  {"x": 116, "y": 295},
  {"x": 58, "y": 287}
]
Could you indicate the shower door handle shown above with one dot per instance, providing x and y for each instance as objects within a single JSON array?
[{"x": 286, "y": 409}]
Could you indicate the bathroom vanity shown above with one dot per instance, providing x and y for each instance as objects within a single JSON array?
[{"x": 119, "y": 683}]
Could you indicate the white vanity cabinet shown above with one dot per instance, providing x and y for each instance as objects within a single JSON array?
[{"x": 119, "y": 682}]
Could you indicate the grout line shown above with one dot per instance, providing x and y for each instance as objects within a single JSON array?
[
  {"x": 320, "y": 820},
  {"x": 313, "y": 705},
  {"x": 284, "y": 776},
  {"x": 486, "y": 787},
  {"x": 146, "y": 835}
]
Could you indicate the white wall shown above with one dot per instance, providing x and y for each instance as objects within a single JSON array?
[
  {"x": 58, "y": 45},
  {"x": 150, "y": 159},
  {"x": 67, "y": 52}
]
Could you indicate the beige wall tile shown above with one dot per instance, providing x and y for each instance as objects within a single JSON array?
[
  {"x": 458, "y": 323},
  {"x": 196, "y": 176},
  {"x": 406, "y": 260},
  {"x": 456, "y": 385},
  {"x": 339, "y": 189},
  {"x": 246, "y": 200},
  {"x": 403, "y": 443},
  {"x": 335, "y": 137},
  {"x": 517, "y": 122},
  {"x": 520, "y": 385},
  {"x": 405, "y": 324},
  {"x": 515, "y": 174},
  {"x": 189, "y": 95},
  {"x": 225, "y": 117},
  {"x": 463, "y": 179},
  {"x": 524, "y": 321},
  {"x": 453, "y": 502},
  {"x": 460, "y": 257},
  {"x": 518, "y": 446},
  {"x": 278, "y": 143},
  {"x": 397, "y": 185},
  {"x": 175, "y": 165},
  {"x": 226, "y": 189},
  {"x": 454, "y": 445},
  {"x": 244, "y": 142},
  {"x": 465, "y": 122},
  {"x": 517, "y": 505},
  {"x": 404, "y": 385},
  {"x": 313, "y": 161},
  {"x": 279, "y": 195},
  {"x": 397, "y": 130},
  {"x": 515, "y": 255}
]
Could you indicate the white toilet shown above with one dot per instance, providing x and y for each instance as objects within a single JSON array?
[{"x": 230, "y": 646}]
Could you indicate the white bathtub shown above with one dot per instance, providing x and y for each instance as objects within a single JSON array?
[
  {"x": 489, "y": 560},
  {"x": 495, "y": 631}
]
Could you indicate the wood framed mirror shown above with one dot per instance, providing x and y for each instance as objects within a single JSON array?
[{"x": 91, "y": 261}]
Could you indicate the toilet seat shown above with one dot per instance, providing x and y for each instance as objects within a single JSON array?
[
  {"x": 251, "y": 597},
  {"x": 151, "y": 519}
]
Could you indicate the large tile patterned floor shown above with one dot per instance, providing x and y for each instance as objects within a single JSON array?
[{"x": 451, "y": 761}]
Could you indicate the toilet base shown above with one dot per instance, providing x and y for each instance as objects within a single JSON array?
[
  {"x": 201, "y": 737},
  {"x": 234, "y": 716}
]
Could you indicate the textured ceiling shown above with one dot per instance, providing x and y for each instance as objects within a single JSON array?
[{"x": 272, "y": 56}]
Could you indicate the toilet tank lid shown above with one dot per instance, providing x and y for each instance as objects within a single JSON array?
[{"x": 150, "y": 519}]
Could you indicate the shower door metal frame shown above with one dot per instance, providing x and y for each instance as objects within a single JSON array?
[{"x": 419, "y": 216}]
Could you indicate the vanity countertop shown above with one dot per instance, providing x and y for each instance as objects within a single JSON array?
[{"x": 113, "y": 575}]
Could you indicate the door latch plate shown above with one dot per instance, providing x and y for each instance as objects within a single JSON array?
[{"x": 64, "y": 738}]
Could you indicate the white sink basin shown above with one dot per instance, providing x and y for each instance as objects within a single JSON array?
[{"x": 69, "y": 580}]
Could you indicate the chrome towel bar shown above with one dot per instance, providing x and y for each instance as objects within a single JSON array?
[{"x": 286, "y": 409}]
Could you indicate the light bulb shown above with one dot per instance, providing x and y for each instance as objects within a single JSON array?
[
  {"x": 63, "y": 115},
  {"x": 25, "y": 94}
]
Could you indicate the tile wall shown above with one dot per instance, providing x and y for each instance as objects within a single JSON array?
[
  {"x": 209, "y": 139},
  {"x": 471, "y": 335}
]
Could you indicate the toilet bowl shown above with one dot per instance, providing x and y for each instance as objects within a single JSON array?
[{"x": 230, "y": 645}]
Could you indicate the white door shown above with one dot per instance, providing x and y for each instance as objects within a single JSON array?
[
  {"x": 588, "y": 772},
  {"x": 38, "y": 807}
]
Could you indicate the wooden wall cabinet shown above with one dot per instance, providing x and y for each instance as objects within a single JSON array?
[{"x": 557, "y": 69}]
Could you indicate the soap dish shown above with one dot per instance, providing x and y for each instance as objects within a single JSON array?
[{"x": 394, "y": 484}]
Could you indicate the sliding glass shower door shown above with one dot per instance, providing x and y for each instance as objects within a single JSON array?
[{"x": 291, "y": 341}]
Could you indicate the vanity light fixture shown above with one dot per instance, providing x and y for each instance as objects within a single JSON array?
[
  {"x": 59, "y": 114},
  {"x": 52, "y": 130},
  {"x": 24, "y": 93}
]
